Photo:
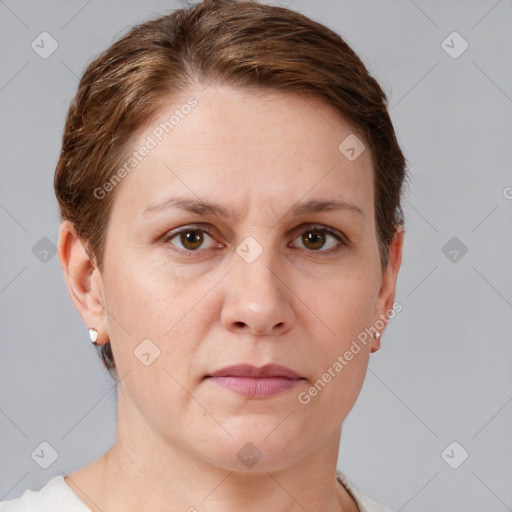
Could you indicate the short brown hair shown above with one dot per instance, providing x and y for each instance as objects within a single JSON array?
[{"x": 244, "y": 44}]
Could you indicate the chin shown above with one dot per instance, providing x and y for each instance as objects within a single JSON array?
[{"x": 256, "y": 446}]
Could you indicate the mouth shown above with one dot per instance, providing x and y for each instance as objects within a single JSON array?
[
  {"x": 248, "y": 370},
  {"x": 255, "y": 382}
]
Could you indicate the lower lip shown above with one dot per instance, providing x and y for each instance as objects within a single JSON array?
[{"x": 256, "y": 387}]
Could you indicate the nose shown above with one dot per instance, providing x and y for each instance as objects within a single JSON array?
[{"x": 258, "y": 299}]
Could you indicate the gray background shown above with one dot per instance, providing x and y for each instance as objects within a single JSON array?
[{"x": 443, "y": 373}]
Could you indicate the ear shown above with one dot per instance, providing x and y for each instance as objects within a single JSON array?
[
  {"x": 83, "y": 279},
  {"x": 386, "y": 297}
]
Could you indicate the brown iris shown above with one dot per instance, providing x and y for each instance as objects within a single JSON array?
[
  {"x": 192, "y": 237},
  {"x": 314, "y": 239}
]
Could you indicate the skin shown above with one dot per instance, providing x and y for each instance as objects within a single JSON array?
[{"x": 297, "y": 305}]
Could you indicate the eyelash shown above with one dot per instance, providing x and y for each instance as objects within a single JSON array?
[{"x": 343, "y": 241}]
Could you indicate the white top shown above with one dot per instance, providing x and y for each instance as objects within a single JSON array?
[{"x": 57, "y": 496}]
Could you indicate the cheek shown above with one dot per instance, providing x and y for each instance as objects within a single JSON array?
[
  {"x": 144, "y": 293},
  {"x": 345, "y": 304},
  {"x": 152, "y": 336},
  {"x": 151, "y": 300},
  {"x": 141, "y": 307}
]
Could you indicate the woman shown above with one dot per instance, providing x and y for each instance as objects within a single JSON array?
[{"x": 230, "y": 187}]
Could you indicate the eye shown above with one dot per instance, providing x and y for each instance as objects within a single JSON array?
[
  {"x": 314, "y": 238},
  {"x": 190, "y": 238}
]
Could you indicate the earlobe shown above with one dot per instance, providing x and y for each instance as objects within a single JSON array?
[
  {"x": 83, "y": 279},
  {"x": 375, "y": 345}
]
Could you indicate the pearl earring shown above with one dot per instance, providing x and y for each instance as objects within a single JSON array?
[{"x": 93, "y": 336}]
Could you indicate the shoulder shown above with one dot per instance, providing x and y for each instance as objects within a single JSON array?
[
  {"x": 364, "y": 503},
  {"x": 55, "y": 496}
]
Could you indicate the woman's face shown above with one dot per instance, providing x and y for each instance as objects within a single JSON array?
[{"x": 256, "y": 281}]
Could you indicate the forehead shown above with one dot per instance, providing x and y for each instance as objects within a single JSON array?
[{"x": 241, "y": 146}]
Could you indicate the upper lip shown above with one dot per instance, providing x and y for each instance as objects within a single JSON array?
[{"x": 248, "y": 370}]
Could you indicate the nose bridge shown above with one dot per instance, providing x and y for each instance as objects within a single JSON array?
[{"x": 257, "y": 267}]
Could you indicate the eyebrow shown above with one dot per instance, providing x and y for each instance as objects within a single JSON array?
[{"x": 202, "y": 207}]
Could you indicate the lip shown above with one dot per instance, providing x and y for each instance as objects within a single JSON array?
[
  {"x": 248, "y": 370},
  {"x": 254, "y": 382}
]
